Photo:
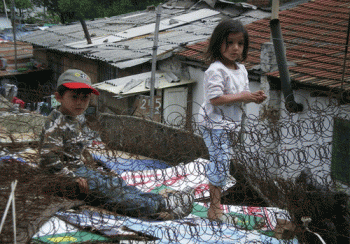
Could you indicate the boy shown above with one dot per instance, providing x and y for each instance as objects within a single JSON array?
[{"x": 64, "y": 144}]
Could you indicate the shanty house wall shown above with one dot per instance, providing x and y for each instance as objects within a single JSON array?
[{"x": 59, "y": 62}]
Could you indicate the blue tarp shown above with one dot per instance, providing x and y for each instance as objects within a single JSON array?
[{"x": 21, "y": 30}]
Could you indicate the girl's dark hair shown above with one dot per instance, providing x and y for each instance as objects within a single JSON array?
[
  {"x": 220, "y": 34},
  {"x": 62, "y": 89}
]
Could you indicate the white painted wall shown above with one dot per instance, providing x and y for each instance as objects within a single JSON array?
[
  {"x": 306, "y": 139},
  {"x": 311, "y": 132}
]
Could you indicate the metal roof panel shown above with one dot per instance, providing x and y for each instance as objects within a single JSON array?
[
  {"x": 149, "y": 28},
  {"x": 116, "y": 86}
]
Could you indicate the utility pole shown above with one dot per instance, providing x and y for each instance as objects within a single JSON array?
[
  {"x": 5, "y": 8},
  {"x": 14, "y": 30},
  {"x": 154, "y": 60}
]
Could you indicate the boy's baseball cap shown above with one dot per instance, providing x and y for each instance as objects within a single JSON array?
[{"x": 76, "y": 79}]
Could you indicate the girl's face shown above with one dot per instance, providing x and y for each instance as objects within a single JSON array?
[
  {"x": 232, "y": 49},
  {"x": 73, "y": 103}
]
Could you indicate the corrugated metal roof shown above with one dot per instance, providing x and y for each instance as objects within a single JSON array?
[
  {"x": 201, "y": 28},
  {"x": 192, "y": 26},
  {"x": 139, "y": 48},
  {"x": 164, "y": 24},
  {"x": 180, "y": 37},
  {"x": 121, "y": 86},
  {"x": 315, "y": 36},
  {"x": 131, "y": 63}
]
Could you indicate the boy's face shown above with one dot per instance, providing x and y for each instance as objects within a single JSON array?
[{"x": 73, "y": 103}]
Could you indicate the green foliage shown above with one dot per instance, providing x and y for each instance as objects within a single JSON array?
[
  {"x": 19, "y": 4},
  {"x": 71, "y": 10},
  {"x": 42, "y": 19},
  {"x": 78, "y": 8},
  {"x": 23, "y": 4}
]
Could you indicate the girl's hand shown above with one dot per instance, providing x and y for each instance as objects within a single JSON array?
[
  {"x": 248, "y": 97},
  {"x": 245, "y": 96},
  {"x": 83, "y": 185},
  {"x": 255, "y": 97},
  {"x": 260, "y": 96}
]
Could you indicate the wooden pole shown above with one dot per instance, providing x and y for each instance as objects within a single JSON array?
[
  {"x": 85, "y": 29},
  {"x": 14, "y": 31},
  {"x": 5, "y": 8},
  {"x": 275, "y": 9},
  {"x": 12, "y": 195},
  {"x": 154, "y": 61}
]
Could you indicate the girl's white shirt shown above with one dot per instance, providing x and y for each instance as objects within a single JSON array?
[{"x": 220, "y": 80}]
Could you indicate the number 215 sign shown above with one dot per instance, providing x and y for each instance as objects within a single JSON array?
[{"x": 142, "y": 105}]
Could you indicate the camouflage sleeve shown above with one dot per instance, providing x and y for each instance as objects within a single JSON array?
[
  {"x": 64, "y": 141},
  {"x": 52, "y": 153}
]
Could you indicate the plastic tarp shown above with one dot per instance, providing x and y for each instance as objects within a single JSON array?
[{"x": 250, "y": 224}]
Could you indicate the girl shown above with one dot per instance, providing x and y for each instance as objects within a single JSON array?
[{"x": 226, "y": 88}]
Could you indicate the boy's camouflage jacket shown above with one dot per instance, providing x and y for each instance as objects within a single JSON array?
[{"x": 63, "y": 143}]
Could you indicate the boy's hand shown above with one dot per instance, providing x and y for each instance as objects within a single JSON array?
[{"x": 83, "y": 185}]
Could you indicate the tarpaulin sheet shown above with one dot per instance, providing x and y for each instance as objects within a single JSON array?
[
  {"x": 59, "y": 231},
  {"x": 189, "y": 230},
  {"x": 192, "y": 175},
  {"x": 252, "y": 224}
]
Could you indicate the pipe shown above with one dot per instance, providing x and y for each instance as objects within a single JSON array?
[{"x": 277, "y": 39}]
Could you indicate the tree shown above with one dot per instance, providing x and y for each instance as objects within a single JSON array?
[
  {"x": 23, "y": 4},
  {"x": 19, "y": 4},
  {"x": 72, "y": 10}
]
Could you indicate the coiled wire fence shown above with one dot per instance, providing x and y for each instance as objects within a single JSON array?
[{"x": 290, "y": 180}]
